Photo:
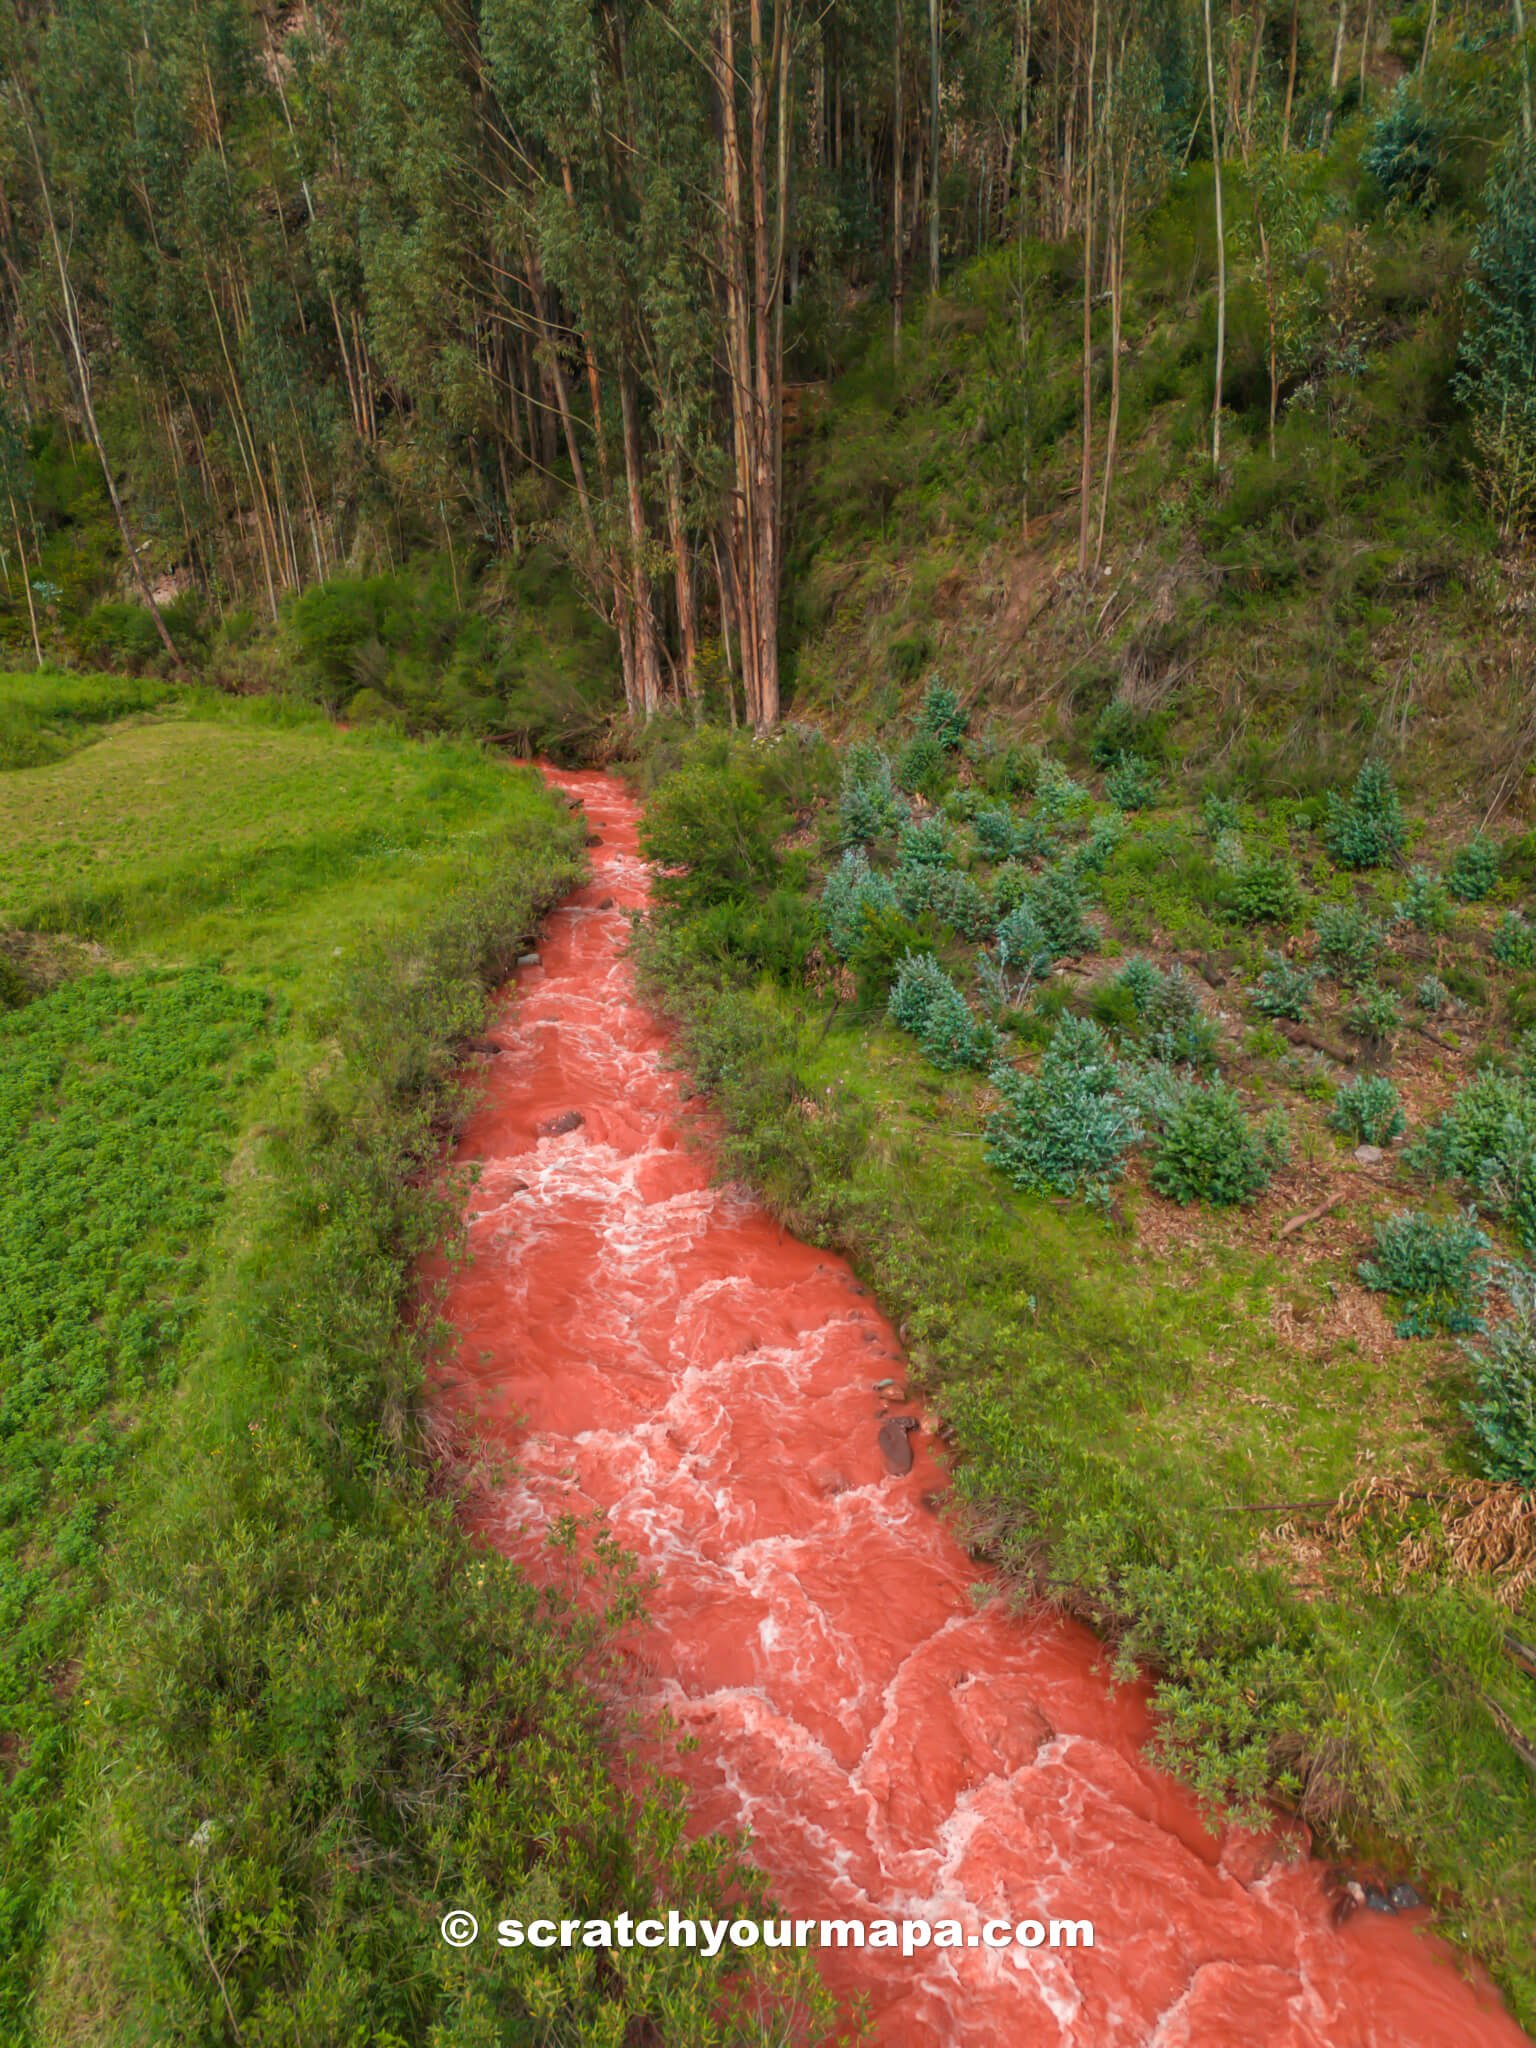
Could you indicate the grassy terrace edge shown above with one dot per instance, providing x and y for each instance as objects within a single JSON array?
[{"x": 310, "y": 1716}]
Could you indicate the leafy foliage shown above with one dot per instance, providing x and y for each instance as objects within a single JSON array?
[
  {"x": 1514, "y": 941},
  {"x": 1436, "y": 1271},
  {"x": 1426, "y": 905},
  {"x": 713, "y": 831},
  {"x": 1365, "y": 830},
  {"x": 1132, "y": 784},
  {"x": 1283, "y": 988},
  {"x": 1264, "y": 892},
  {"x": 1375, "y": 1014},
  {"x": 1209, "y": 1150},
  {"x": 853, "y": 888},
  {"x": 922, "y": 767},
  {"x": 1503, "y": 1417},
  {"x": 1474, "y": 870},
  {"x": 941, "y": 717},
  {"x": 926, "y": 1003},
  {"x": 868, "y": 807},
  {"x": 1349, "y": 942},
  {"x": 1403, "y": 152},
  {"x": 1066, "y": 1129},
  {"x": 1369, "y": 1110},
  {"x": 1497, "y": 376},
  {"x": 1487, "y": 1139}
]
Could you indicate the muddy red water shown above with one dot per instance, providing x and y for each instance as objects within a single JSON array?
[{"x": 657, "y": 1347}]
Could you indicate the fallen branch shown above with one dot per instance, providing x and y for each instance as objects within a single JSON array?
[
  {"x": 1299, "y": 1035},
  {"x": 1295, "y": 1223},
  {"x": 1526, "y": 1751}
]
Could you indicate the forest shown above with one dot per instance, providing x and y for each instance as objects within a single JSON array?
[{"x": 1036, "y": 499}]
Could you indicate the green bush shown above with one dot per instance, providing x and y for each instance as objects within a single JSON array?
[
  {"x": 1432, "y": 996},
  {"x": 1487, "y": 1140},
  {"x": 1405, "y": 149},
  {"x": 1209, "y": 1150},
  {"x": 944, "y": 893},
  {"x": 1283, "y": 989},
  {"x": 1503, "y": 1417},
  {"x": 926, "y": 843},
  {"x": 1095, "y": 853},
  {"x": 120, "y": 636},
  {"x": 1264, "y": 891},
  {"x": 941, "y": 717},
  {"x": 1514, "y": 941},
  {"x": 1349, "y": 942},
  {"x": 1022, "y": 946},
  {"x": 1056, "y": 897},
  {"x": 999, "y": 834},
  {"x": 1474, "y": 871},
  {"x": 1368, "y": 1110},
  {"x": 852, "y": 888},
  {"x": 925, "y": 1003},
  {"x": 1437, "y": 1272},
  {"x": 868, "y": 806},
  {"x": 712, "y": 834},
  {"x": 1121, "y": 730},
  {"x": 1132, "y": 784},
  {"x": 1067, "y": 1128},
  {"x": 1426, "y": 904},
  {"x": 1366, "y": 829},
  {"x": 1057, "y": 796},
  {"x": 1220, "y": 815},
  {"x": 1165, "y": 1011},
  {"x": 1375, "y": 1014},
  {"x": 773, "y": 934},
  {"x": 922, "y": 767}
]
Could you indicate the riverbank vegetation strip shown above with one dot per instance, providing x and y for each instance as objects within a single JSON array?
[
  {"x": 267, "y": 1714},
  {"x": 1068, "y": 1181}
]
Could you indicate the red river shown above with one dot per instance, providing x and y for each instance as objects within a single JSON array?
[{"x": 656, "y": 1346}]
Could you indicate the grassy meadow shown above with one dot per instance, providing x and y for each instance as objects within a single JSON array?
[{"x": 264, "y": 1715}]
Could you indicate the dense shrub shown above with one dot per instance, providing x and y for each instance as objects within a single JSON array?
[
  {"x": 1487, "y": 1140},
  {"x": 1065, "y": 1129},
  {"x": 1056, "y": 897},
  {"x": 1167, "y": 1014},
  {"x": 958, "y": 903},
  {"x": 1209, "y": 1150},
  {"x": 1368, "y": 1110},
  {"x": 1093, "y": 856},
  {"x": 926, "y": 1003},
  {"x": 941, "y": 717},
  {"x": 1514, "y": 941},
  {"x": 1503, "y": 1417},
  {"x": 926, "y": 843},
  {"x": 1264, "y": 891},
  {"x": 1121, "y": 730},
  {"x": 1057, "y": 796},
  {"x": 1132, "y": 784},
  {"x": 922, "y": 767},
  {"x": 1375, "y": 1014},
  {"x": 1432, "y": 996},
  {"x": 1426, "y": 904},
  {"x": 1220, "y": 814},
  {"x": 1283, "y": 989},
  {"x": 1365, "y": 830},
  {"x": 1404, "y": 150},
  {"x": 1437, "y": 1272},
  {"x": 999, "y": 834},
  {"x": 868, "y": 806},
  {"x": 1474, "y": 871},
  {"x": 852, "y": 888},
  {"x": 1022, "y": 946},
  {"x": 711, "y": 833},
  {"x": 1349, "y": 942}
]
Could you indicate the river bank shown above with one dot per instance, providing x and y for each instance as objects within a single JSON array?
[{"x": 654, "y": 1348}]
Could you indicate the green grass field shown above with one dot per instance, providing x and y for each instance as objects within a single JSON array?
[{"x": 262, "y": 1711}]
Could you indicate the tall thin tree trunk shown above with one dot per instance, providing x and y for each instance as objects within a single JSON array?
[
  {"x": 1337, "y": 67},
  {"x": 933, "y": 145},
  {"x": 1090, "y": 206},
  {"x": 1518, "y": 8},
  {"x": 1221, "y": 243},
  {"x": 26, "y": 581},
  {"x": 898, "y": 225},
  {"x": 83, "y": 375},
  {"x": 1290, "y": 76}
]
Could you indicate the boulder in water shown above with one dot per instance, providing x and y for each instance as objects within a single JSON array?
[
  {"x": 895, "y": 1440},
  {"x": 557, "y": 1126}
]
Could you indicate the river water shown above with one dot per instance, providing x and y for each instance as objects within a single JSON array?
[{"x": 655, "y": 1346}]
